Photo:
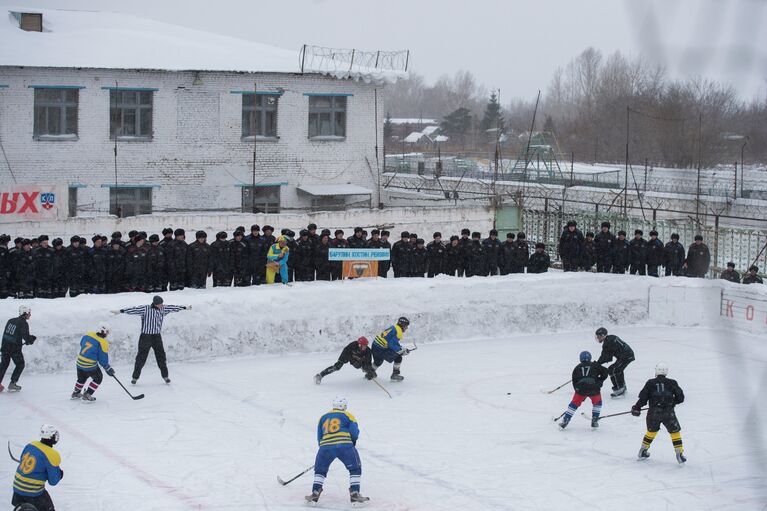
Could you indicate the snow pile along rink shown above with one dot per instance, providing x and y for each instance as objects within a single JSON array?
[{"x": 324, "y": 316}]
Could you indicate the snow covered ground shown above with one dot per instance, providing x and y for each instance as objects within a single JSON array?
[{"x": 469, "y": 428}]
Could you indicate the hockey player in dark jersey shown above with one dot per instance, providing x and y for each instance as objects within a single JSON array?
[
  {"x": 663, "y": 394},
  {"x": 587, "y": 382},
  {"x": 15, "y": 335},
  {"x": 614, "y": 347},
  {"x": 357, "y": 354}
]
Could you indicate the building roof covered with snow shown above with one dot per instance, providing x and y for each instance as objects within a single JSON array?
[
  {"x": 108, "y": 40},
  {"x": 413, "y": 120}
]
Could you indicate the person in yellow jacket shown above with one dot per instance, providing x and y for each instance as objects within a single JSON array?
[{"x": 277, "y": 260}]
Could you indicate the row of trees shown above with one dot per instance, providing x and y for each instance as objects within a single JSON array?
[{"x": 587, "y": 105}]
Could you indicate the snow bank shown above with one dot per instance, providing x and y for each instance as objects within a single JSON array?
[{"x": 324, "y": 316}]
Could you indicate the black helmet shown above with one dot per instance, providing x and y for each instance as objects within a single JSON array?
[
  {"x": 403, "y": 321},
  {"x": 601, "y": 331}
]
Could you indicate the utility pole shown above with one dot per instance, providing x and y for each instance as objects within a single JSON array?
[
  {"x": 742, "y": 168},
  {"x": 700, "y": 141},
  {"x": 255, "y": 138},
  {"x": 626, "y": 170},
  {"x": 118, "y": 128}
]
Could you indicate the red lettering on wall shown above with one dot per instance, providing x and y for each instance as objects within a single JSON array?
[
  {"x": 728, "y": 308},
  {"x": 8, "y": 203},
  {"x": 750, "y": 313},
  {"x": 29, "y": 202}
]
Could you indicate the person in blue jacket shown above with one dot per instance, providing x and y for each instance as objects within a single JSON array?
[
  {"x": 40, "y": 463},
  {"x": 387, "y": 347},
  {"x": 94, "y": 351},
  {"x": 337, "y": 434}
]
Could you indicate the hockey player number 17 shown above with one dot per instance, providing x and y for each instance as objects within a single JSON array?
[
  {"x": 28, "y": 463},
  {"x": 585, "y": 370},
  {"x": 331, "y": 426}
]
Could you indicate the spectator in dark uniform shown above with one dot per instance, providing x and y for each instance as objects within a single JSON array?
[
  {"x": 155, "y": 265},
  {"x": 313, "y": 236},
  {"x": 302, "y": 254},
  {"x": 338, "y": 242},
  {"x": 465, "y": 244},
  {"x": 409, "y": 255},
  {"x": 116, "y": 267},
  {"x": 620, "y": 253},
  {"x": 357, "y": 240},
  {"x": 570, "y": 246},
  {"x": 175, "y": 257},
  {"x": 539, "y": 261},
  {"x": 398, "y": 255},
  {"x": 220, "y": 260},
  {"x": 5, "y": 266},
  {"x": 521, "y": 255},
  {"x": 477, "y": 264},
  {"x": 24, "y": 271},
  {"x": 255, "y": 242},
  {"x": 492, "y": 248},
  {"x": 239, "y": 259},
  {"x": 97, "y": 256},
  {"x": 454, "y": 257},
  {"x": 436, "y": 252},
  {"x": 135, "y": 265},
  {"x": 43, "y": 256},
  {"x": 730, "y": 274},
  {"x": 383, "y": 266},
  {"x": 59, "y": 284},
  {"x": 638, "y": 254},
  {"x": 322, "y": 266},
  {"x": 698, "y": 258},
  {"x": 166, "y": 244},
  {"x": 604, "y": 242},
  {"x": 589, "y": 253},
  {"x": 420, "y": 259},
  {"x": 77, "y": 267},
  {"x": 751, "y": 277},
  {"x": 673, "y": 256},
  {"x": 198, "y": 261},
  {"x": 507, "y": 254}
]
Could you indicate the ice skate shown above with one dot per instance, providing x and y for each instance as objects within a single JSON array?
[
  {"x": 564, "y": 422},
  {"x": 12, "y": 387},
  {"x": 88, "y": 398},
  {"x": 166, "y": 379},
  {"x": 680, "y": 457},
  {"x": 314, "y": 497},
  {"x": 395, "y": 376},
  {"x": 620, "y": 391},
  {"x": 133, "y": 381},
  {"x": 356, "y": 498},
  {"x": 595, "y": 422},
  {"x": 77, "y": 394},
  {"x": 643, "y": 454},
  {"x": 318, "y": 378}
]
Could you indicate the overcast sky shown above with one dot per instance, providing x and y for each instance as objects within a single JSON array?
[{"x": 513, "y": 45}]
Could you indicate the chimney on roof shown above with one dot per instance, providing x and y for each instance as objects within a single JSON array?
[{"x": 31, "y": 21}]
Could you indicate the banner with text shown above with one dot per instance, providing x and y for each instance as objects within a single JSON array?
[
  {"x": 358, "y": 254},
  {"x": 20, "y": 203}
]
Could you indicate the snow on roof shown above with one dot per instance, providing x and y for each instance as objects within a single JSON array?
[
  {"x": 108, "y": 40},
  {"x": 441, "y": 138},
  {"x": 412, "y": 120},
  {"x": 414, "y": 137},
  {"x": 428, "y": 130},
  {"x": 334, "y": 190}
]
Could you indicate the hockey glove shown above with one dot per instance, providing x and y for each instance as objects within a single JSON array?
[
  {"x": 110, "y": 372},
  {"x": 370, "y": 374},
  {"x": 636, "y": 411},
  {"x": 31, "y": 340},
  {"x": 188, "y": 307}
]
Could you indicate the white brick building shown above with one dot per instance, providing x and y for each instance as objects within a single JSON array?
[{"x": 176, "y": 104}]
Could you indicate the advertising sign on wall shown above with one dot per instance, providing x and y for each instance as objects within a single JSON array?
[{"x": 19, "y": 203}]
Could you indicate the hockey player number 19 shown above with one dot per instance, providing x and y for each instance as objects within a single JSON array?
[
  {"x": 331, "y": 426},
  {"x": 28, "y": 463}
]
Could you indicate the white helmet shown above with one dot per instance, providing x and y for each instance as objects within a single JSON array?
[
  {"x": 104, "y": 328},
  {"x": 24, "y": 309},
  {"x": 339, "y": 403},
  {"x": 661, "y": 369},
  {"x": 48, "y": 432}
]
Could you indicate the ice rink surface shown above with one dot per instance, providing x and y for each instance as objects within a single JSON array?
[{"x": 469, "y": 428}]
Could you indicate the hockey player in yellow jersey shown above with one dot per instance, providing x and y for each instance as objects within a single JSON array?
[{"x": 94, "y": 351}]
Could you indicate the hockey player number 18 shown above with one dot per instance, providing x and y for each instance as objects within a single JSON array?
[
  {"x": 331, "y": 426},
  {"x": 28, "y": 463}
]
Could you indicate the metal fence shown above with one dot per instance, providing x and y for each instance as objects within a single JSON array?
[{"x": 741, "y": 246}]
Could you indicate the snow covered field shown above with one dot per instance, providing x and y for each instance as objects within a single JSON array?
[{"x": 469, "y": 428}]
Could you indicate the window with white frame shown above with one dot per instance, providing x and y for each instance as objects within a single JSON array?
[
  {"x": 55, "y": 112},
  {"x": 261, "y": 199},
  {"x": 130, "y": 114},
  {"x": 327, "y": 116},
  {"x": 130, "y": 201},
  {"x": 259, "y": 115}
]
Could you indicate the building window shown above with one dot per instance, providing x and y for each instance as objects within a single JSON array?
[
  {"x": 261, "y": 199},
  {"x": 56, "y": 113},
  {"x": 327, "y": 116},
  {"x": 130, "y": 114},
  {"x": 130, "y": 201},
  {"x": 72, "y": 201},
  {"x": 261, "y": 110}
]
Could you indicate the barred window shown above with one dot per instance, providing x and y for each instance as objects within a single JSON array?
[
  {"x": 327, "y": 116},
  {"x": 130, "y": 201},
  {"x": 130, "y": 114},
  {"x": 261, "y": 199},
  {"x": 259, "y": 115},
  {"x": 55, "y": 112}
]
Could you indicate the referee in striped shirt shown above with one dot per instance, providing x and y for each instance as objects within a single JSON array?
[{"x": 151, "y": 338}]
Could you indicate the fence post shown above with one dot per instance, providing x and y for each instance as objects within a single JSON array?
[
  {"x": 546, "y": 220},
  {"x": 654, "y": 216},
  {"x": 716, "y": 244},
  {"x": 735, "y": 189}
]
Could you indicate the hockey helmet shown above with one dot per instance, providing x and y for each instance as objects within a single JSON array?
[
  {"x": 585, "y": 356},
  {"x": 48, "y": 432},
  {"x": 104, "y": 329},
  {"x": 661, "y": 369},
  {"x": 340, "y": 403},
  {"x": 24, "y": 309},
  {"x": 601, "y": 331},
  {"x": 403, "y": 321},
  {"x": 363, "y": 341}
]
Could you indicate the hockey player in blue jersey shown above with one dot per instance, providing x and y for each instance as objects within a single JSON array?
[
  {"x": 39, "y": 464},
  {"x": 386, "y": 347},
  {"x": 94, "y": 351},
  {"x": 337, "y": 433}
]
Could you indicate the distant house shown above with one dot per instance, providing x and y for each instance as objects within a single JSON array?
[
  {"x": 403, "y": 126},
  {"x": 184, "y": 111}
]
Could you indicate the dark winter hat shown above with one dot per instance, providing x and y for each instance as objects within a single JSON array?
[
  {"x": 698, "y": 237},
  {"x": 385, "y": 233},
  {"x": 475, "y": 235},
  {"x": 200, "y": 234},
  {"x": 731, "y": 265},
  {"x": 405, "y": 234},
  {"x": 375, "y": 232},
  {"x": 18, "y": 240},
  {"x": 4, "y": 238},
  {"x": 540, "y": 245},
  {"x": 179, "y": 232},
  {"x": 413, "y": 236},
  {"x": 638, "y": 231},
  {"x": 221, "y": 235},
  {"x": 653, "y": 233},
  {"x": 132, "y": 234},
  {"x": 357, "y": 229},
  {"x": 94, "y": 239},
  {"x": 241, "y": 228},
  {"x": 42, "y": 237},
  {"x": 493, "y": 232},
  {"x": 465, "y": 231},
  {"x": 304, "y": 232},
  {"x": 754, "y": 268},
  {"x": 675, "y": 236},
  {"x": 311, "y": 227},
  {"x": 572, "y": 223},
  {"x": 339, "y": 231},
  {"x": 255, "y": 227},
  {"x": 58, "y": 241},
  {"x": 237, "y": 232},
  {"x": 454, "y": 237},
  {"x": 621, "y": 233},
  {"x": 116, "y": 242},
  {"x": 154, "y": 238},
  {"x": 437, "y": 235},
  {"x": 82, "y": 240},
  {"x": 268, "y": 228},
  {"x": 71, "y": 240},
  {"x": 290, "y": 233},
  {"x": 521, "y": 236},
  {"x": 157, "y": 300},
  {"x": 509, "y": 235},
  {"x": 167, "y": 230},
  {"x": 606, "y": 224},
  {"x": 284, "y": 231},
  {"x": 419, "y": 241},
  {"x": 325, "y": 232},
  {"x": 104, "y": 239},
  {"x": 117, "y": 235},
  {"x": 589, "y": 234},
  {"x": 25, "y": 242}
]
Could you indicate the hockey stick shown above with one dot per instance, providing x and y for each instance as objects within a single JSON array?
[
  {"x": 140, "y": 396},
  {"x": 375, "y": 380},
  {"x": 611, "y": 415},
  {"x": 283, "y": 483},
  {"x": 555, "y": 419},
  {"x": 556, "y": 389},
  {"x": 11, "y": 454}
]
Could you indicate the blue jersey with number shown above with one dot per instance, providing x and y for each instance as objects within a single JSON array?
[
  {"x": 94, "y": 350},
  {"x": 389, "y": 338},
  {"x": 39, "y": 463},
  {"x": 337, "y": 427}
]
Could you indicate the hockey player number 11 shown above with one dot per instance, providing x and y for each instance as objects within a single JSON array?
[{"x": 331, "y": 426}]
